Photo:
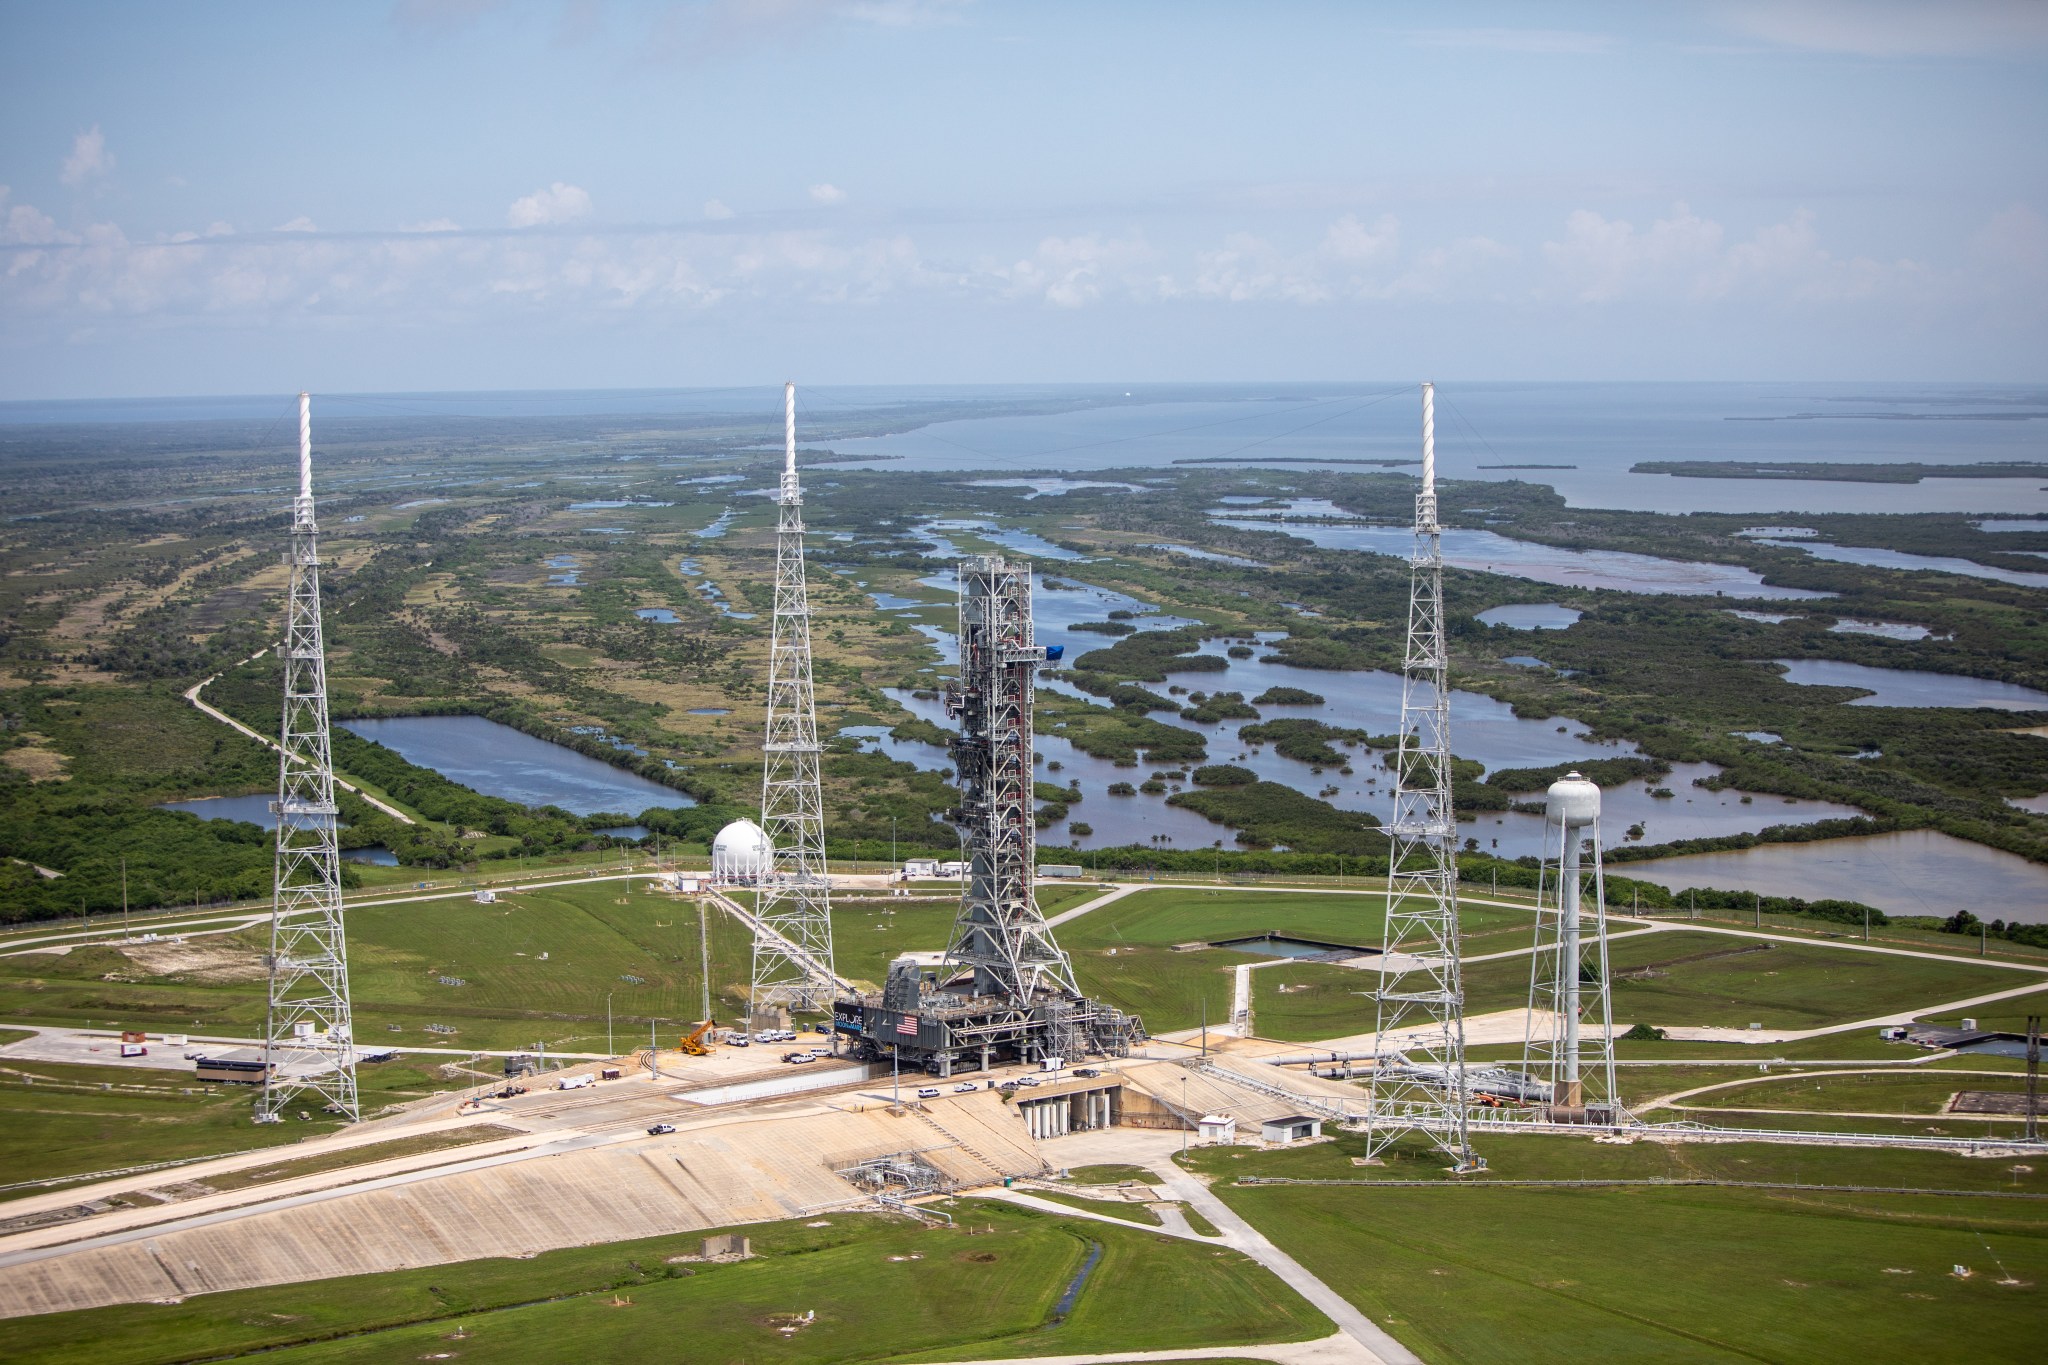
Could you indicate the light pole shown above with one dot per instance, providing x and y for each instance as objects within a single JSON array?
[
  {"x": 895, "y": 868},
  {"x": 609, "y": 1050},
  {"x": 1184, "y": 1112}
]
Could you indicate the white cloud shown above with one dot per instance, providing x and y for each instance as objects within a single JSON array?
[
  {"x": 433, "y": 225},
  {"x": 558, "y": 203},
  {"x": 1895, "y": 28},
  {"x": 299, "y": 224},
  {"x": 1689, "y": 258},
  {"x": 716, "y": 209},
  {"x": 25, "y": 225},
  {"x": 827, "y": 194},
  {"x": 89, "y": 158}
]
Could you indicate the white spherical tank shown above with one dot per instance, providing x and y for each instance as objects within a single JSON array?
[
  {"x": 1574, "y": 802},
  {"x": 741, "y": 853}
]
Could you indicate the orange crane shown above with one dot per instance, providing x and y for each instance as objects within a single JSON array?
[{"x": 693, "y": 1044}]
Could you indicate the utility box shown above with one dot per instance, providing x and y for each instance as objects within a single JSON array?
[{"x": 1216, "y": 1128}]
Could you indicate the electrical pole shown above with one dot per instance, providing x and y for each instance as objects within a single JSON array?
[
  {"x": 704, "y": 953},
  {"x": 2033, "y": 1077},
  {"x": 610, "y": 1049},
  {"x": 127, "y": 931}
]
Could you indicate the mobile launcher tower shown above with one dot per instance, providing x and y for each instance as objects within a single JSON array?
[
  {"x": 1568, "y": 1051},
  {"x": 1005, "y": 991}
]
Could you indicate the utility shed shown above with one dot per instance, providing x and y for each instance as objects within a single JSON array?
[
  {"x": 1217, "y": 1128},
  {"x": 1291, "y": 1128}
]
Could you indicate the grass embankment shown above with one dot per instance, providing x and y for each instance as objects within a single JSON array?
[
  {"x": 879, "y": 1288},
  {"x": 58, "y": 1120},
  {"x": 1678, "y": 1274},
  {"x": 1719, "y": 980}
]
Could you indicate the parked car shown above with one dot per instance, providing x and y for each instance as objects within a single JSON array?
[
  {"x": 802, "y": 1059},
  {"x": 1027, "y": 1081},
  {"x": 929, "y": 1092},
  {"x": 964, "y": 1087},
  {"x": 1086, "y": 1071},
  {"x": 660, "y": 1128}
]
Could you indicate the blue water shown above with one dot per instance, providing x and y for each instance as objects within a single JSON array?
[
  {"x": 1902, "y": 687},
  {"x": 498, "y": 760},
  {"x": 1489, "y": 552},
  {"x": 1601, "y": 428},
  {"x": 375, "y": 855},
  {"x": 661, "y": 614},
  {"x": 1898, "y": 559},
  {"x": 1531, "y": 616}
]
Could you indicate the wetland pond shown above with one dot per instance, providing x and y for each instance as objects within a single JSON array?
[
  {"x": 1911, "y": 872},
  {"x": 1905, "y": 687},
  {"x": 498, "y": 760}
]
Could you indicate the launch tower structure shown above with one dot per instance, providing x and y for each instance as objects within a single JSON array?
[
  {"x": 309, "y": 1038},
  {"x": 793, "y": 944},
  {"x": 1569, "y": 1043},
  {"x": 1004, "y": 991},
  {"x": 1000, "y": 933},
  {"x": 1418, "y": 1081}
]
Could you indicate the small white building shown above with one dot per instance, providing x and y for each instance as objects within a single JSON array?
[
  {"x": 1217, "y": 1128},
  {"x": 1292, "y": 1128},
  {"x": 741, "y": 853}
]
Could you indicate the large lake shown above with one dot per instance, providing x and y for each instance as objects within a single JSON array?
[
  {"x": 498, "y": 760},
  {"x": 1599, "y": 431}
]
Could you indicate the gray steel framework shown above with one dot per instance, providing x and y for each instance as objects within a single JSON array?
[
  {"x": 999, "y": 932},
  {"x": 793, "y": 946},
  {"x": 309, "y": 1036},
  {"x": 1568, "y": 1042},
  {"x": 1418, "y": 1082}
]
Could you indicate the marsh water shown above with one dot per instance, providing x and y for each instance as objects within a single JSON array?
[
  {"x": 1907, "y": 687},
  {"x": 1912, "y": 872},
  {"x": 498, "y": 760}
]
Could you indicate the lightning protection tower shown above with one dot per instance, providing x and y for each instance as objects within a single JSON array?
[
  {"x": 1418, "y": 1081},
  {"x": 1000, "y": 932},
  {"x": 1569, "y": 1043},
  {"x": 309, "y": 1038},
  {"x": 793, "y": 945}
]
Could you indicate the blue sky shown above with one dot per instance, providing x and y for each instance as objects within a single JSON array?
[{"x": 569, "y": 193}]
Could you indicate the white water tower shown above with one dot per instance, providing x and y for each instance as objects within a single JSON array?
[{"x": 1569, "y": 1042}]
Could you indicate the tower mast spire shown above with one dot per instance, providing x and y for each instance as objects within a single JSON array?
[
  {"x": 1418, "y": 1080},
  {"x": 309, "y": 1037},
  {"x": 793, "y": 950}
]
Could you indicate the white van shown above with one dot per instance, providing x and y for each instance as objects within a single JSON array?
[{"x": 929, "y": 1092}]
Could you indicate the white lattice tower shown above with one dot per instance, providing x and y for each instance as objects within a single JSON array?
[
  {"x": 309, "y": 1036},
  {"x": 1569, "y": 1041},
  {"x": 1418, "y": 1081},
  {"x": 793, "y": 946},
  {"x": 999, "y": 931}
]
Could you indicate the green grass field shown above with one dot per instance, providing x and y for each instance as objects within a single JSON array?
[
  {"x": 1692, "y": 1274},
  {"x": 880, "y": 1289},
  {"x": 1732, "y": 982},
  {"x": 58, "y": 1120}
]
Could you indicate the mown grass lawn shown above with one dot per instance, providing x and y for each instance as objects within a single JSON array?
[
  {"x": 873, "y": 1288},
  {"x": 1686, "y": 1274},
  {"x": 1699, "y": 979}
]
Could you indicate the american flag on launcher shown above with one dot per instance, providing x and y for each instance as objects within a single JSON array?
[{"x": 907, "y": 1025}]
